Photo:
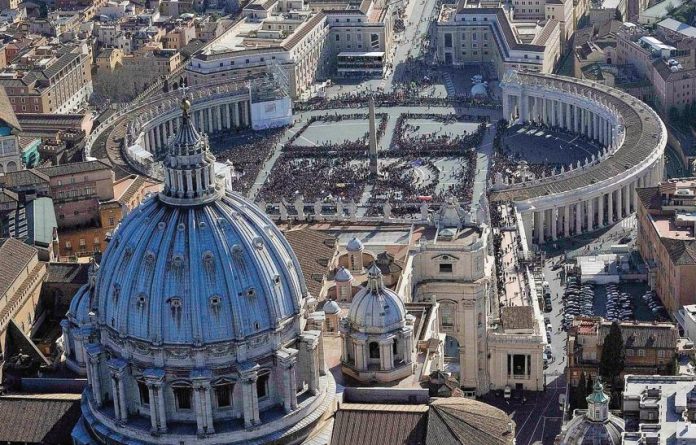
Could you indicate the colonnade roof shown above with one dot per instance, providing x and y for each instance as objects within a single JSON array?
[{"x": 644, "y": 132}]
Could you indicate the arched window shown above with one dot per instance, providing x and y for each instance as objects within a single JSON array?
[
  {"x": 223, "y": 394},
  {"x": 374, "y": 349},
  {"x": 182, "y": 396},
  {"x": 262, "y": 385},
  {"x": 144, "y": 393}
]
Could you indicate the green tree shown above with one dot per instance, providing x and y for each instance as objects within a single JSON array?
[
  {"x": 580, "y": 394},
  {"x": 674, "y": 116},
  {"x": 613, "y": 357}
]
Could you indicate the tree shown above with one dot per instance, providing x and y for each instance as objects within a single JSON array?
[
  {"x": 674, "y": 116},
  {"x": 580, "y": 394},
  {"x": 613, "y": 357}
]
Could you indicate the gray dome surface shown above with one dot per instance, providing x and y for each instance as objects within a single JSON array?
[
  {"x": 197, "y": 274},
  {"x": 375, "y": 308}
]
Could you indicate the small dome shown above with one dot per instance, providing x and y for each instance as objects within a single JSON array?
[
  {"x": 479, "y": 89},
  {"x": 331, "y": 307},
  {"x": 376, "y": 309},
  {"x": 354, "y": 245},
  {"x": 596, "y": 424},
  {"x": 343, "y": 275}
]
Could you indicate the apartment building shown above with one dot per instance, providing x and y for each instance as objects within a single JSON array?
[
  {"x": 475, "y": 36},
  {"x": 665, "y": 57},
  {"x": 21, "y": 275},
  {"x": 361, "y": 39},
  {"x": 666, "y": 219},
  {"x": 49, "y": 79},
  {"x": 650, "y": 347},
  {"x": 271, "y": 34}
]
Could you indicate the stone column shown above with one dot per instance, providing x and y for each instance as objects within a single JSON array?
[
  {"x": 524, "y": 107},
  {"x": 218, "y": 118},
  {"x": 151, "y": 139},
  {"x": 359, "y": 350},
  {"x": 235, "y": 114},
  {"x": 65, "y": 329},
  {"x": 610, "y": 207},
  {"x": 287, "y": 359},
  {"x": 554, "y": 223},
  {"x": 247, "y": 118},
  {"x": 117, "y": 370},
  {"x": 250, "y": 400},
  {"x": 590, "y": 214},
  {"x": 600, "y": 211},
  {"x": 202, "y": 402},
  {"x": 154, "y": 379},
  {"x": 539, "y": 226},
  {"x": 152, "y": 396},
  {"x": 578, "y": 218},
  {"x": 627, "y": 199},
  {"x": 309, "y": 348},
  {"x": 94, "y": 357},
  {"x": 619, "y": 206},
  {"x": 386, "y": 356}
]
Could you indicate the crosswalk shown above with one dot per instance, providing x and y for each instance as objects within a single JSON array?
[{"x": 449, "y": 84}]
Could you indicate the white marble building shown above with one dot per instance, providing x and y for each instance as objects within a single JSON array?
[{"x": 590, "y": 195}]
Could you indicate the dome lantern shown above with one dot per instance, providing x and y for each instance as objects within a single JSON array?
[{"x": 189, "y": 166}]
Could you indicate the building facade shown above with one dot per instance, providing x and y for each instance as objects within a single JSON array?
[
  {"x": 667, "y": 242},
  {"x": 49, "y": 80}
]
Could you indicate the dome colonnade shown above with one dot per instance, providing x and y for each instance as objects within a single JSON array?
[
  {"x": 195, "y": 327},
  {"x": 590, "y": 196}
]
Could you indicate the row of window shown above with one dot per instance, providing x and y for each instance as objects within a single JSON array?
[{"x": 222, "y": 393}]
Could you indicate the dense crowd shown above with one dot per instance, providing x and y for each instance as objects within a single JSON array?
[
  {"x": 406, "y": 96},
  {"x": 315, "y": 178},
  {"x": 514, "y": 167},
  {"x": 329, "y": 148},
  {"x": 407, "y": 139},
  {"x": 248, "y": 153}
]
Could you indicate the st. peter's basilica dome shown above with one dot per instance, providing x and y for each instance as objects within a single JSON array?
[{"x": 191, "y": 329}]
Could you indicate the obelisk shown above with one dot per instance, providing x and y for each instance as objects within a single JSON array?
[{"x": 373, "y": 140}]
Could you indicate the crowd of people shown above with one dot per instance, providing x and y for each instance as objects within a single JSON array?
[
  {"x": 329, "y": 148},
  {"x": 248, "y": 153},
  {"x": 516, "y": 167},
  {"x": 406, "y": 137},
  {"x": 409, "y": 95},
  {"x": 315, "y": 178}
]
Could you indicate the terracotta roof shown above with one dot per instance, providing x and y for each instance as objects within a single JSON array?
[
  {"x": 73, "y": 273},
  {"x": 6, "y": 112},
  {"x": 517, "y": 317},
  {"x": 650, "y": 197},
  {"x": 314, "y": 251},
  {"x": 8, "y": 196},
  {"x": 76, "y": 167},
  {"x": 22, "y": 178},
  {"x": 381, "y": 425},
  {"x": 681, "y": 252},
  {"x": 14, "y": 258},
  {"x": 302, "y": 31},
  {"x": 459, "y": 420},
  {"x": 644, "y": 335},
  {"x": 38, "y": 420}
]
